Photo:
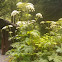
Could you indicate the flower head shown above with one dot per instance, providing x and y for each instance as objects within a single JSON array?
[
  {"x": 14, "y": 13},
  {"x": 53, "y": 24},
  {"x": 39, "y": 15},
  {"x": 19, "y": 3},
  {"x": 60, "y": 19},
  {"x": 30, "y": 4},
  {"x": 33, "y": 20},
  {"x": 23, "y": 23},
  {"x": 5, "y": 27},
  {"x": 30, "y": 7},
  {"x": 18, "y": 23},
  {"x": 10, "y": 25}
]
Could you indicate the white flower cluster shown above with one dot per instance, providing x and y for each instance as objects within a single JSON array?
[
  {"x": 14, "y": 13},
  {"x": 18, "y": 23},
  {"x": 19, "y": 4},
  {"x": 33, "y": 20},
  {"x": 60, "y": 19},
  {"x": 10, "y": 26},
  {"x": 53, "y": 24},
  {"x": 39, "y": 15},
  {"x": 21, "y": 22},
  {"x": 30, "y": 4},
  {"x": 51, "y": 32},
  {"x": 5, "y": 27},
  {"x": 30, "y": 7}
]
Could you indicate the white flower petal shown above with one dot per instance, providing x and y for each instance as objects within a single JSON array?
[
  {"x": 19, "y": 3},
  {"x": 39, "y": 15},
  {"x": 30, "y": 7},
  {"x": 14, "y": 13},
  {"x": 18, "y": 23}
]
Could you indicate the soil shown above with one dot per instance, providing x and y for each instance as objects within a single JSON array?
[{"x": 3, "y": 58}]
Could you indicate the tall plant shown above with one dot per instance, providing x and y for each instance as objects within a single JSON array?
[{"x": 29, "y": 46}]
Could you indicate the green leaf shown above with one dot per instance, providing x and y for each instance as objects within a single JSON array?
[
  {"x": 40, "y": 60},
  {"x": 59, "y": 49},
  {"x": 55, "y": 58}
]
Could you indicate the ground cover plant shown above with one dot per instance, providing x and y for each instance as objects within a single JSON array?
[{"x": 28, "y": 44}]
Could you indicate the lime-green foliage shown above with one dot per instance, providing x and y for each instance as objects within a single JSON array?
[
  {"x": 54, "y": 57},
  {"x": 31, "y": 46}
]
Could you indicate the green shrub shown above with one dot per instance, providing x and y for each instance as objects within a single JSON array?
[{"x": 30, "y": 45}]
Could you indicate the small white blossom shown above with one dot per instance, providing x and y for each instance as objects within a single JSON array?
[
  {"x": 17, "y": 27},
  {"x": 5, "y": 27},
  {"x": 39, "y": 15},
  {"x": 19, "y": 3},
  {"x": 14, "y": 13},
  {"x": 23, "y": 23},
  {"x": 60, "y": 19},
  {"x": 30, "y": 8},
  {"x": 59, "y": 37},
  {"x": 10, "y": 25},
  {"x": 29, "y": 22},
  {"x": 18, "y": 23},
  {"x": 30, "y": 4},
  {"x": 33, "y": 20},
  {"x": 61, "y": 27},
  {"x": 52, "y": 33},
  {"x": 10, "y": 32},
  {"x": 53, "y": 24}
]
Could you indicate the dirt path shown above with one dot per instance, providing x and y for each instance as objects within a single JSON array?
[{"x": 3, "y": 58}]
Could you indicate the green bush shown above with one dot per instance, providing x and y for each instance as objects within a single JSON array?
[
  {"x": 30, "y": 45},
  {"x": 34, "y": 48}
]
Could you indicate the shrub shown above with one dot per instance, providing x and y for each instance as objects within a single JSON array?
[{"x": 29, "y": 45}]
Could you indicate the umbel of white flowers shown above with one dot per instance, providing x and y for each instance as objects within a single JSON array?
[
  {"x": 39, "y": 15},
  {"x": 19, "y": 3},
  {"x": 5, "y": 27},
  {"x": 14, "y": 13},
  {"x": 28, "y": 6},
  {"x": 60, "y": 19},
  {"x": 53, "y": 24}
]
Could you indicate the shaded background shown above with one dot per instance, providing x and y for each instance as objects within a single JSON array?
[{"x": 51, "y": 9}]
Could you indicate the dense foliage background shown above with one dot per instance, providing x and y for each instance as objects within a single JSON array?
[
  {"x": 35, "y": 40},
  {"x": 51, "y": 9}
]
